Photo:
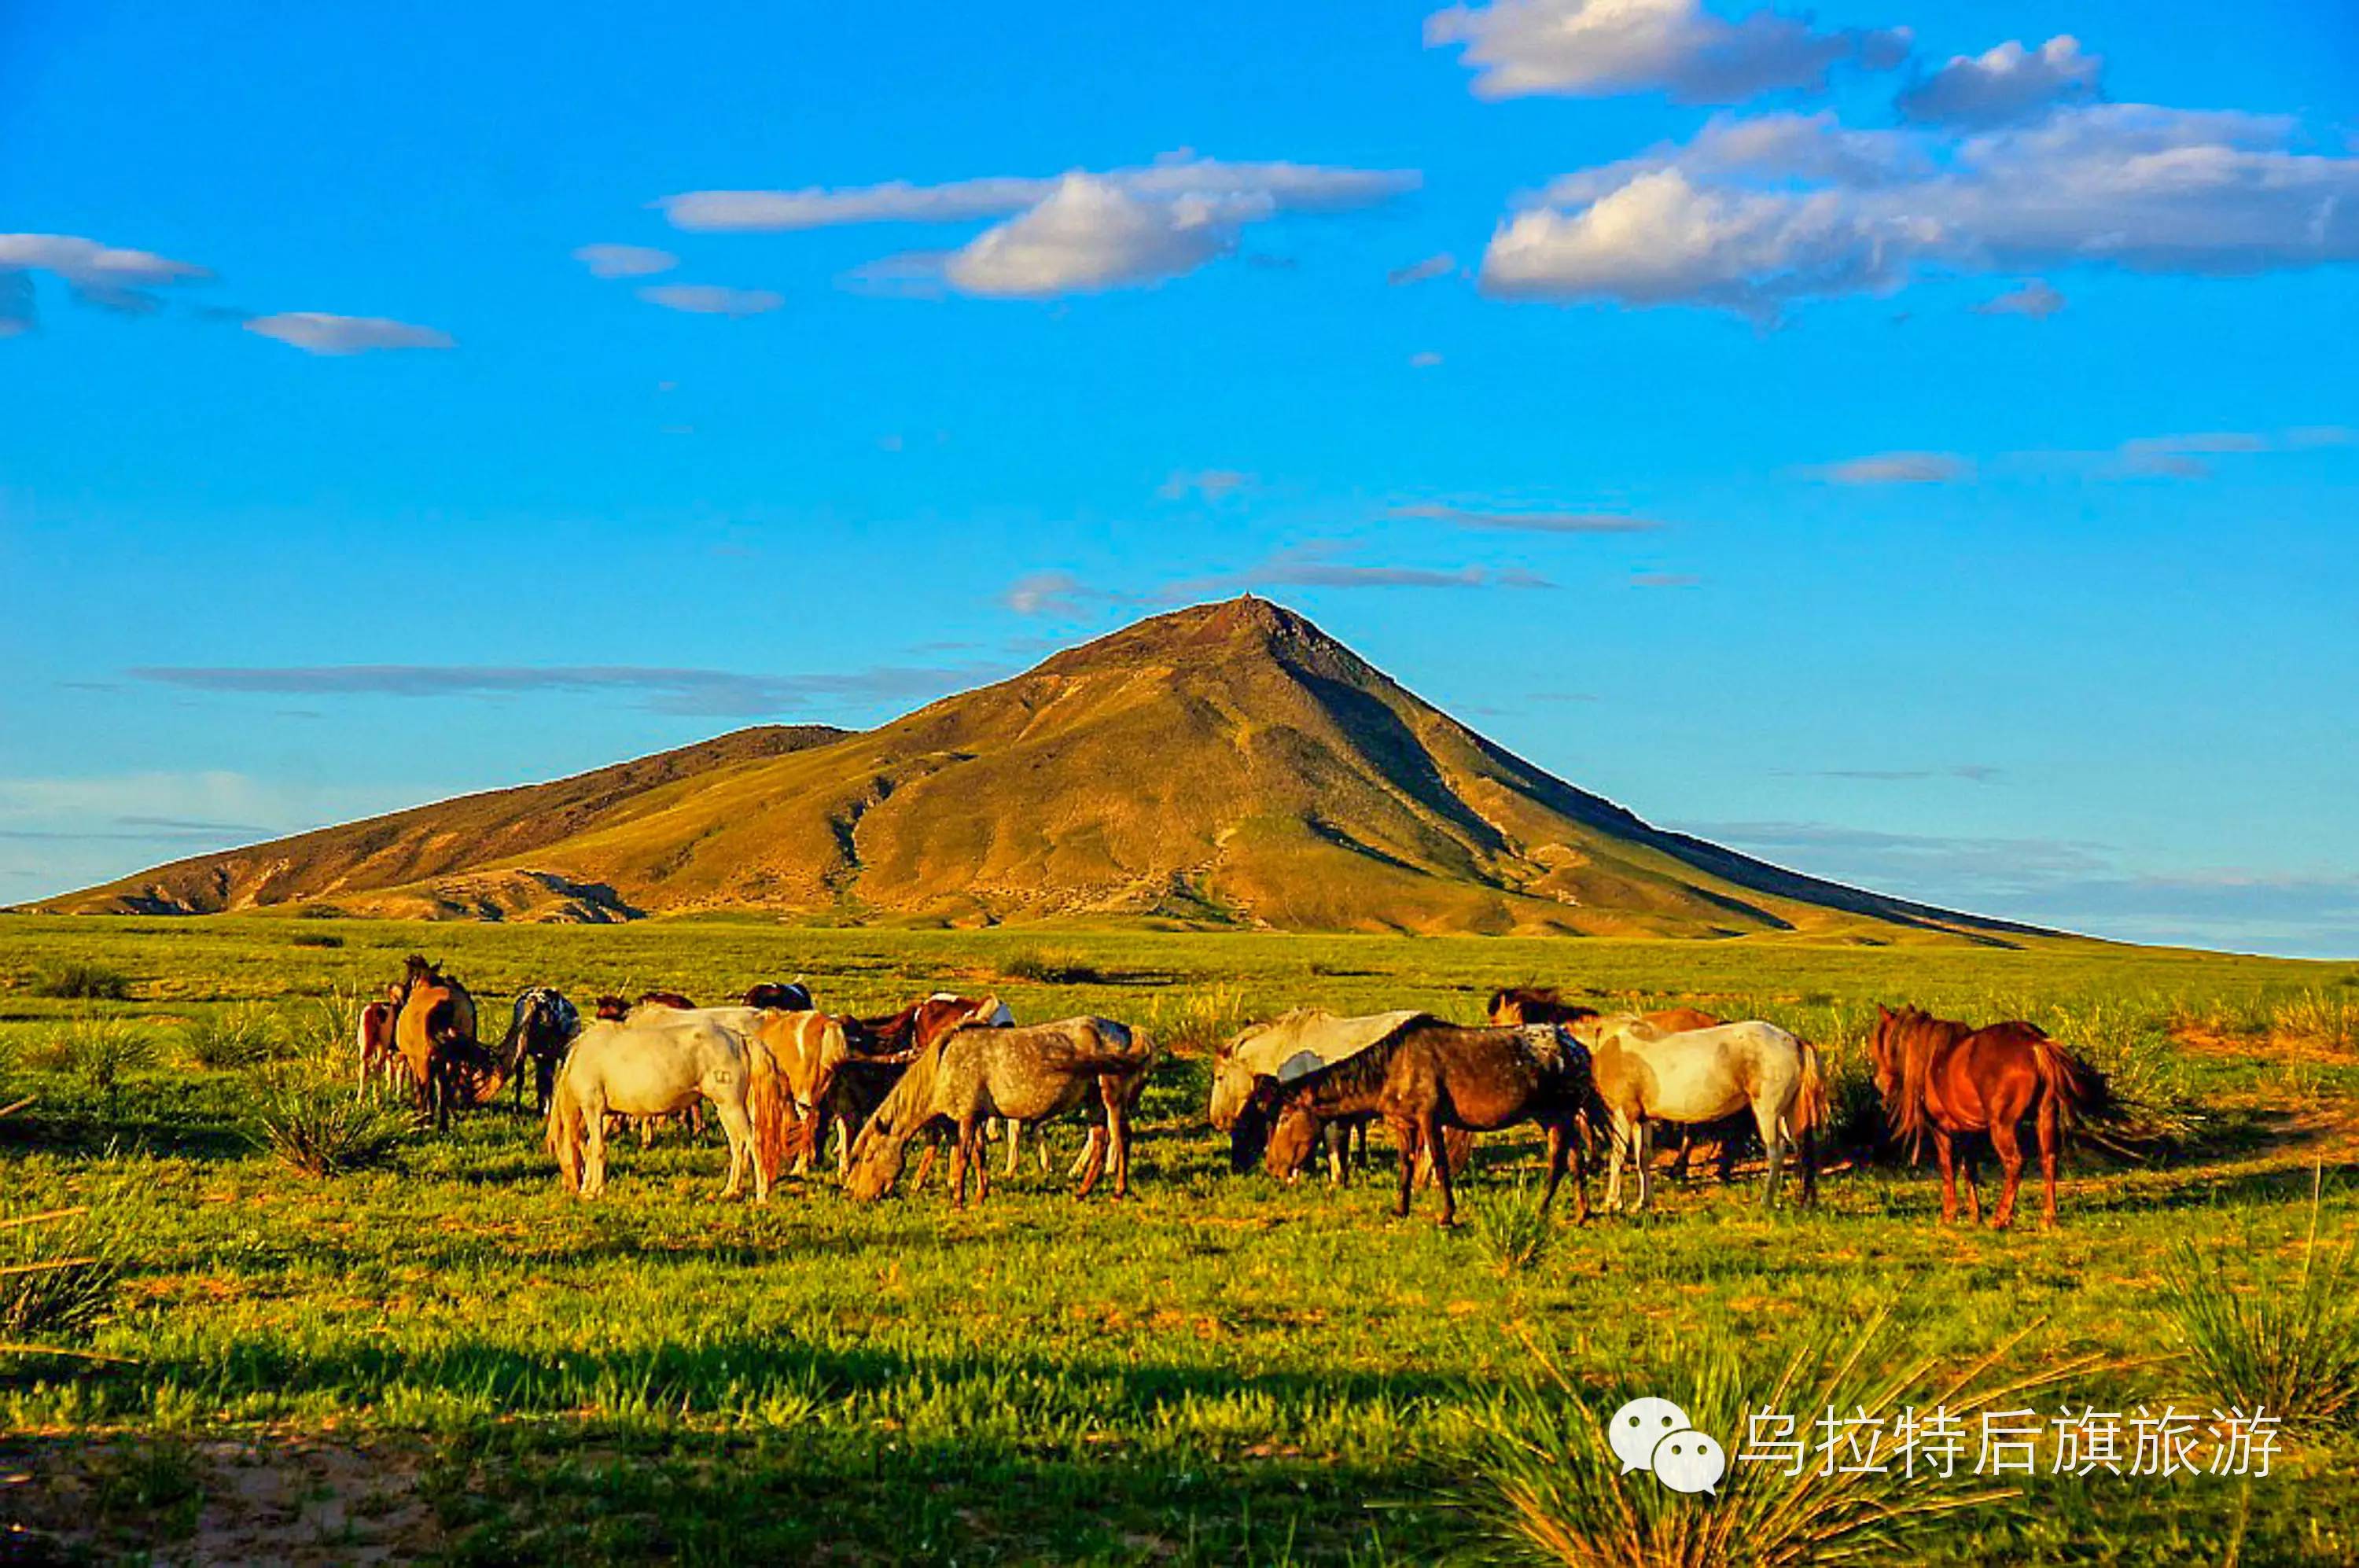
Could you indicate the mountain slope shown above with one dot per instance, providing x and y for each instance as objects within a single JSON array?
[{"x": 1227, "y": 764}]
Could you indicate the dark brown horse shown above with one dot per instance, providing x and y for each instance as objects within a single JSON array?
[
  {"x": 1951, "y": 1081},
  {"x": 786, "y": 996},
  {"x": 1429, "y": 1079}
]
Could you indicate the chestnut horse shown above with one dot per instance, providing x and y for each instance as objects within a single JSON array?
[
  {"x": 1949, "y": 1081},
  {"x": 434, "y": 1030},
  {"x": 1432, "y": 1077}
]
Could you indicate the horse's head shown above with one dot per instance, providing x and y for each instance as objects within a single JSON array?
[
  {"x": 1292, "y": 1141},
  {"x": 611, "y": 1010},
  {"x": 877, "y": 1155},
  {"x": 1249, "y": 1128}
]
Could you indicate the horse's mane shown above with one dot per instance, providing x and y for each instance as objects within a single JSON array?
[
  {"x": 1918, "y": 1037},
  {"x": 1538, "y": 1004},
  {"x": 1362, "y": 1073}
]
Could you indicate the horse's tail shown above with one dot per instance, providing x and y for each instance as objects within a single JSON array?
[
  {"x": 567, "y": 1129},
  {"x": 1810, "y": 1110},
  {"x": 2078, "y": 1091},
  {"x": 767, "y": 1107}
]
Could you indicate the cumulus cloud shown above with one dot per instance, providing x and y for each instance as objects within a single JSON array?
[
  {"x": 315, "y": 331},
  {"x": 1898, "y": 468},
  {"x": 625, "y": 260},
  {"x": 1432, "y": 266},
  {"x": 1077, "y": 232},
  {"x": 711, "y": 299},
  {"x": 2006, "y": 83},
  {"x": 1599, "y": 48},
  {"x": 109, "y": 276},
  {"x": 671, "y": 690},
  {"x": 2035, "y": 299},
  {"x": 1755, "y": 214},
  {"x": 1316, "y": 566},
  {"x": 1526, "y": 522}
]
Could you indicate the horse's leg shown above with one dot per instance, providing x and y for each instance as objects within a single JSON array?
[
  {"x": 1337, "y": 1136},
  {"x": 1969, "y": 1154},
  {"x": 1015, "y": 1130},
  {"x": 1617, "y": 1132},
  {"x": 1099, "y": 1153},
  {"x": 2005, "y": 1139},
  {"x": 959, "y": 1140},
  {"x": 1406, "y": 1132},
  {"x": 1556, "y": 1150},
  {"x": 982, "y": 1163},
  {"x": 1644, "y": 1154},
  {"x": 1773, "y": 1141},
  {"x": 2051, "y": 1135},
  {"x": 593, "y": 1166},
  {"x": 739, "y": 1130},
  {"x": 1948, "y": 1156},
  {"x": 1432, "y": 1132},
  {"x": 1117, "y": 1137}
]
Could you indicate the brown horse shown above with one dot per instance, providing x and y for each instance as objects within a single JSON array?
[
  {"x": 1430, "y": 1078},
  {"x": 1951, "y": 1081},
  {"x": 434, "y": 1030}
]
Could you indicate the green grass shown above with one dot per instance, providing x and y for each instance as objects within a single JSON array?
[{"x": 1218, "y": 1370}]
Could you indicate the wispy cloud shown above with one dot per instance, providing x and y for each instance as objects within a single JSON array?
[
  {"x": 711, "y": 298},
  {"x": 625, "y": 260},
  {"x": 1081, "y": 232},
  {"x": 315, "y": 331},
  {"x": 1600, "y": 49},
  {"x": 1424, "y": 359},
  {"x": 1317, "y": 566},
  {"x": 2035, "y": 299},
  {"x": 1665, "y": 580},
  {"x": 1897, "y": 468},
  {"x": 699, "y": 691},
  {"x": 1058, "y": 594},
  {"x": 1525, "y": 522},
  {"x": 1973, "y": 772},
  {"x": 112, "y": 276},
  {"x": 1431, "y": 268},
  {"x": 1210, "y": 484}
]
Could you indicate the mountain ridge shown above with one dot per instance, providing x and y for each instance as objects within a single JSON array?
[{"x": 1224, "y": 765}]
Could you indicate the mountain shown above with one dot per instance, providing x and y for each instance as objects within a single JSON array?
[{"x": 1226, "y": 765}]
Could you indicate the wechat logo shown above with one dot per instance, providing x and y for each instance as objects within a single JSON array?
[{"x": 1656, "y": 1435}]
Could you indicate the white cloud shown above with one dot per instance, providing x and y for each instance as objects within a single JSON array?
[
  {"x": 1432, "y": 266},
  {"x": 2035, "y": 299},
  {"x": 1089, "y": 235},
  {"x": 2009, "y": 82},
  {"x": 625, "y": 260},
  {"x": 1898, "y": 468},
  {"x": 1755, "y": 214},
  {"x": 1597, "y": 49},
  {"x": 711, "y": 298},
  {"x": 315, "y": 331},
  {"x": 1076, "y": 233},
  {"x": 111, "y": 276}
]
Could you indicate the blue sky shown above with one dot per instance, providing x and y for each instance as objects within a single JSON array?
[{"x": 1915, "y": 443}]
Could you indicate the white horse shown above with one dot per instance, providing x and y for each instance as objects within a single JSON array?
[
  {"x": 1645, "y": 1075},
  {"x": 652, "y": 1065},
  {"x": 1286, "y": 1048}
]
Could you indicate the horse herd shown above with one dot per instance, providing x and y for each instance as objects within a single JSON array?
[{"x": 785, "y": 1079}]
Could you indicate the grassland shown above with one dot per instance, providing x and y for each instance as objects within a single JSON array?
[{"x": 449, "y": 1357}]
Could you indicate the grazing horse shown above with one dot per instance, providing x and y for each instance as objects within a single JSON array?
[
  {"x": 657, "y": 1065},
  {"x": 434, "y": 1030},
  {"x": 541, "y": 1027},
  {"x": 1951, "y": 1081},
  {"x": 1645, "y": 1075},
  {"x": 1285, "y": 1049},
  {"x": 1428, "y": 1078},
  {"x": 1021, "y": 1074},
  {"x": 786, "y": 996}
]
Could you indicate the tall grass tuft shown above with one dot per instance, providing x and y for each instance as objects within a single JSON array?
[
  {"x": 318, "y": 1128},
  {"x": 1548, "y": 1489},
  {"x": 57, "y": 1273},
  {"x": 102, "y": 1053},
  {"x": 77, "y": 980},
  {"x": 2318, "y": 1017},
  {"x": 1511, "y": 1228},
  {"x": 1198, "y": 1023},
  {"x": 1049, "y": 966},
  {"x": 2288, "y": 1346},
  {"x": 231, "y": 1038}
]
